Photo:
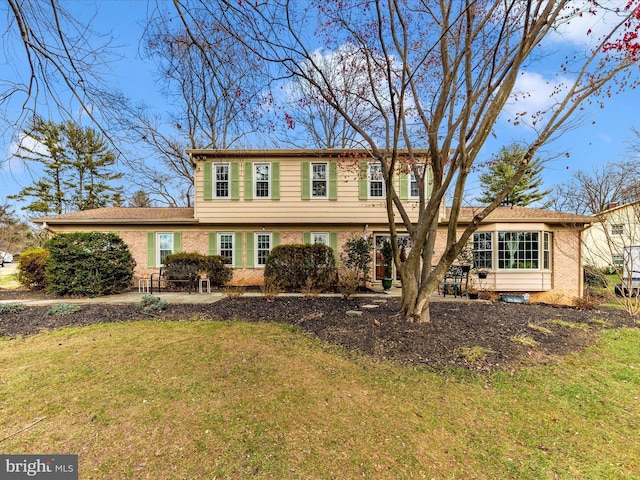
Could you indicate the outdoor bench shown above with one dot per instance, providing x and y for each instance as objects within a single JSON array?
[
  {"x": 181, "y": 274},
  {"x": 455, "y": 279}
]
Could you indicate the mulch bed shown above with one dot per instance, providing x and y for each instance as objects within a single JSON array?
[{"x": 379, "y": 332}]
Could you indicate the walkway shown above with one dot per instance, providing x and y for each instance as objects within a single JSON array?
[{"x": 134, "y": 296}]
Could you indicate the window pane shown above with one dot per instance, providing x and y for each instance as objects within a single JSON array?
[
  {"x": 483, "y": 250},
  {"x": 262, "y": 179},
  {"x": 221, "y": 180},
  {"x": 617, "y": 229},
  {"x": 415, "y": 191},
  {"x": 263, "y": 243},
  {"x": 376, "y": 181},
  {"x": 225, "y": 246},
  {"x": 518, "y": 250},
  {"x": 546, "y": 249},
  {"x": 165, "y": 246},
  {"x": 319, "y": 180},
  {"x": 322, "y": 238}
]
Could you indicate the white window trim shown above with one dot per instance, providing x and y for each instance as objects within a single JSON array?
[
  {"x": 233, "y": 245},
  {"x": 523, "y": 269},
  {"x": 325, "y": 234},
  {"x": 326, "y": 180},
  {"x": 617, "y": 229},
  {"x": 425, "y": 180},
  {"x": 173, "y": 248},
  {"x": 257, "y": 250},
  {"x": 255, "y": 180},
  {"x": 369, "y": 165},
  {"x": 214, "y": 180}
]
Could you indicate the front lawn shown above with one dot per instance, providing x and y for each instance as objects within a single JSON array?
[{"x": 203, "y": 400}]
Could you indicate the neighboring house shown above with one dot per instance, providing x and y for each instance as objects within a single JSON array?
[
  {"x": 247, "y": 202},
  {"x": 612, "y": 230}
]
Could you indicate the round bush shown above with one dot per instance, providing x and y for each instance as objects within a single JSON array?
[
  {"x": 299, "y": 266},
  {"x": 88, "y": 263},
  {"x": 31, "y": 268}
]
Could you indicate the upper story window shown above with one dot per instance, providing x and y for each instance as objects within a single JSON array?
[
  {"x": 221, "y": 180},
  {"x": 319, "y": 180},
  {"x": 414, "y": 188},
  {"x": 262, "y": 180},
  {"x": 376, "y": 181},
  {"x": 617, "y": 229}
]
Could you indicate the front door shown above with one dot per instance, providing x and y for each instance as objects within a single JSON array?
[{"x": 404, "y": 243}]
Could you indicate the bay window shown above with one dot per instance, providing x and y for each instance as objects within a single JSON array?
[{"x": 512, "y": 250}]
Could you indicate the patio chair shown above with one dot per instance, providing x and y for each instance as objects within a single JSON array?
[{"x": 454, "y": 280}]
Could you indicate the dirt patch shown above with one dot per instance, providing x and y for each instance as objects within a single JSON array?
[{"x": 473, "y": 335}]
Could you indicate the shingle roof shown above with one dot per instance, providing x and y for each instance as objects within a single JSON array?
[
  {"x": 123, "y": 215},
  {"x": 522, "y": 214}
]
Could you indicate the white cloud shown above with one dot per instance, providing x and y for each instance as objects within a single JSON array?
[
  {"x": 533, "y": 95},
  {"x": 589, "y": 24}
]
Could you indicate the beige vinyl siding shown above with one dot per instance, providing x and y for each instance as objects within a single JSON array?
[
  {"x": 525, "y": 281},
  {"x": 287, "y": 205}
]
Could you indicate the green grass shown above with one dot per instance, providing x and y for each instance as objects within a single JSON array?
[
  {"x": 8, "y": 280},
  {"x": 204, "y": 400}
]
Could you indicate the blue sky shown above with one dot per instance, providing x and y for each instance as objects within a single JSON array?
[{"x": 602, "y": 135}]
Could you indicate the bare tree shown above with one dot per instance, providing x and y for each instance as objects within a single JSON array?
[
  {"x": 216, "y": 88},
  {"x": 321, "y": 124},
  {"x": 58, "y": 64},
  {"x": 449, "y": 69},
  {"x": 606, "y": 185}
]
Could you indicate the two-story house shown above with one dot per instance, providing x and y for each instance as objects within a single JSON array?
[
  {"x": 249, "y": 201},
  {"x": 613, "y": 230}
]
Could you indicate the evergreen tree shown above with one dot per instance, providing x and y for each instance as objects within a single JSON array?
[
  {"x": 91, "y": 169},
  {"x": 77, "y": 168},
  {"x": 502, "y": 170},
  {"x": 47, "y": 149},
  {"x": 140, "y": 198}
]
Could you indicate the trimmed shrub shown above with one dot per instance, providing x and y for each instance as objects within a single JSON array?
[
  {"x": 213, "y": 266},
  {"x": 31, "y": 268},
  {"x": 88, "y": 263},
  {"x": 295, "y": 266}
]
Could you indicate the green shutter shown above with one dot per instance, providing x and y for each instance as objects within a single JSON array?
[
  {"x": 250, "y": 250},
  {"x": 208, "y": 181},
  {"x": 275, "y": 181},
  {"x": 237, "y": 250},
  {"x": 404, "y": 185},
  {"x": 235, "y": 181},
  {"x": 306, "y": 237},
  {"x": 333, "y": 181},
  {"x": 151, "y": 250},
  {"x": 306, "y": 180},
  {"x": 275, "y": 236},
  {"x": 213, "y": 243},
  {"x": 363, "y": 180},
  {"x": 428, "y": 178},
  {"x": 177, "y": 242},
  {"x": 333, "y": 243},
  {"x": 248, "y": 180}
]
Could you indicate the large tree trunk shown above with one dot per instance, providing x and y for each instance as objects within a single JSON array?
[{"x": 414, "y": 305}]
